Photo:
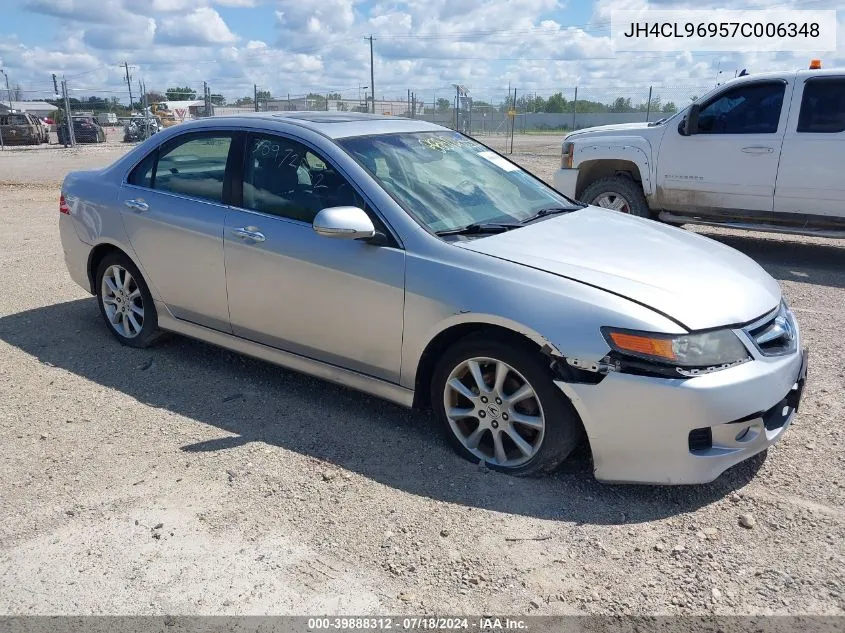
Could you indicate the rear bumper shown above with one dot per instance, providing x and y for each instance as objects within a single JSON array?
[
  {"x": 566, "y": 181},
  {"x": 640, "y": 427},
  {"x": 75, "y": 251}
]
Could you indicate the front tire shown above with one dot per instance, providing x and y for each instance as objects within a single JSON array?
[
  {"x": 125, "y": 302},
  {"x": 496, "y": 403},
  {"x": 619, "y": 194}
]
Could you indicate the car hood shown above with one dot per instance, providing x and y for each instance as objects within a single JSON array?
[
  {"x": 610, "y": 129},
  {"x": 694, "y": 280}
]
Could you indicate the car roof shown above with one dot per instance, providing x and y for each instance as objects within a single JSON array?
[{"x": 339, "y": 124}]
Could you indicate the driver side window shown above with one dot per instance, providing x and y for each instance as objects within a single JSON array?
[
  {"x": 748, "y": 109},
  {"x": 285, "y": 178}
]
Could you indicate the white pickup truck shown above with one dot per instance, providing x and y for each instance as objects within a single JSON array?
[{"x": 763, "y": 152}]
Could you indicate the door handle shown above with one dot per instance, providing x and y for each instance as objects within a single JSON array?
[
  {"x": 249, "y": 233},
  {"x": 758, "y": 149},
  {"x": 138, "y": 205}
]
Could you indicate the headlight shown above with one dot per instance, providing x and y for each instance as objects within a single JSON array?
[{"x": 706, "y": 349}]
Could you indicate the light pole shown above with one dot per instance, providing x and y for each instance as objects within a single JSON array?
[{"x": 8, "y": 91}]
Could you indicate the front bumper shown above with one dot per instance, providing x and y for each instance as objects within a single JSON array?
[
  {"x": 655, "y": 430},
  {"x": 566, "y": 182}
]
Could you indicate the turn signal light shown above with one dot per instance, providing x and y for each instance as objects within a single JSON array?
[
  {"x": 63, "y": 208},
  {"x": 567, "y": 155},
  {"x": 649, "y": 346},
  {"x": 815, "y": 64}
]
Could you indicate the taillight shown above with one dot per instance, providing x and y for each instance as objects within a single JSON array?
[
  {"x": 63, "y": 208},
  {"x": 566, "y": 155}
]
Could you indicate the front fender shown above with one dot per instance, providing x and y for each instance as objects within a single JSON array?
[
  {"x": 633, "y": 149},
  {"x": 552, "y": 311}
]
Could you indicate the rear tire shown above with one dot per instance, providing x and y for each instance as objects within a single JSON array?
[
  {"x": 499, "y": 424},
  {"x": 618, "y": 193},
  {"x": 125, "y": 302}
]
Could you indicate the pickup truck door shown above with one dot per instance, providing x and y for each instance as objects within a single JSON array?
[
  {"x": 810, "y": 180},
  {"x": 730, "y": 161}
]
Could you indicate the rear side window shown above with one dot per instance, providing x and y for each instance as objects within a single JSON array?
[
  {"x": 142, "y": 175},
  {"x": 823, "y": 106},
  {"x": 190, "y": 165},
  {"x": 194, "y": 167}
]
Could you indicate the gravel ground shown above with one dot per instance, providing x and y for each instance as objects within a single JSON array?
[{"x": 187, "y": 479}]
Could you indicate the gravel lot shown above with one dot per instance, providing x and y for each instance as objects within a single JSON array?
[{"x": 187, "y": 479}]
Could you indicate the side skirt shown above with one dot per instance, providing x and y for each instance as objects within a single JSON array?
[{"x": 347, "y": 378}]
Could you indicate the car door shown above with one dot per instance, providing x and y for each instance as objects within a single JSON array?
[
  {"x": 174, "y": 206},
  {"x": 729, "y": 163},
  {"x": 338, "y": 301},
  {"x": 810, "y": 178}
]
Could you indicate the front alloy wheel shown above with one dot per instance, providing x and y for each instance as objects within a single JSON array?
[
  {"x": 497, "y": 404},
  {"x": 494, "y": 412}
]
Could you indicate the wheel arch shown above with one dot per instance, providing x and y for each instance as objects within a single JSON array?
[
  {"x": 103, "y": 249},
  {"x": 593, "y": 170},
  {"x": 453, "y": 332}
]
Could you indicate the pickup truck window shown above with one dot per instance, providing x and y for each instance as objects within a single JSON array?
[
  {"x": 748, "y": 109},
  {"x": 823, "y": 106}
]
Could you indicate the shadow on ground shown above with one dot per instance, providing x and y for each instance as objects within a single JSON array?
[
  {"x": 788, "y": 260},
  {"x": 259, "y": 402}
]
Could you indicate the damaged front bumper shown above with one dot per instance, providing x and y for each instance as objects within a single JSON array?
[{"x": 655, "y": 430}]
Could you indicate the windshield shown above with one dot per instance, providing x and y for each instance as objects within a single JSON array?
[{"x": 447, "y": 181}]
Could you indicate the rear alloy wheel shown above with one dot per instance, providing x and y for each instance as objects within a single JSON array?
[
  {"x": 125, "y": 301},
  {"x": 498, "y": 405},
  {"x": 619, "y": 194}
]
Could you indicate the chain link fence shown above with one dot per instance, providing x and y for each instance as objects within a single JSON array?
[{"x": 101, "y": 115}]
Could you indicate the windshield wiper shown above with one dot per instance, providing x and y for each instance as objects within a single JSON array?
[
  {"x": 542, "y": 213},
  {"x": 477, "y": 228}
]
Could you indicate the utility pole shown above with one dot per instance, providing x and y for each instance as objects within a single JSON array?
[
  {"x": 574, "y": 107},
  {"x": 372, "y": 75},
  {"x": 70, "y": 135},
  {"x": 413, "y": 105},
  {"x": 8, "y": 90},
  {"x": 255, "y": 98},
  {"x": 513, "y": 118},
  {"x": 55, "y": 86},
  {"x": 128, "y": 83},
  {"x": 410, "y": 116}
]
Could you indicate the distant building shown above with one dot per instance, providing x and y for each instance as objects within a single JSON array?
[{"x": 38, "y": 108}]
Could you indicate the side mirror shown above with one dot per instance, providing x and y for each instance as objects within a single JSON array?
[
  {"x": 350, "y": 223},
  {"x": 689, "y": 124}
]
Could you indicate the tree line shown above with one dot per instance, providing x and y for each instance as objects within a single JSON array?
[{"x": 557, "y": 103}]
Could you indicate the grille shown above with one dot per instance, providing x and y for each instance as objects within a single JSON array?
[{"x": 775, "y": 334}]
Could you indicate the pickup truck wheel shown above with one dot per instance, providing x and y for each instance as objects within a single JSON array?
[{"x": 618, "y": 193}]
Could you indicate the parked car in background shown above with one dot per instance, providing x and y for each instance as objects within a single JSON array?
[
  {"x": 406, "y": 260},
  {"x": 22, "y": 128},
  {"x": 140, "y": 128},
  {"x": 762, "y": 152},
  {"x": 85, "y": 130}
]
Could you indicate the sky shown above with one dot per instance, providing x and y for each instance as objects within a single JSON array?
[{"x": 300, "y": 46}]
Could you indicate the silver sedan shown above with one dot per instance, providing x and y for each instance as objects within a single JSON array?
[{"x": 408, "y": 261}]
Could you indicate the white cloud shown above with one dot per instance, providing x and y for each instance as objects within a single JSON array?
[
  {"x": 137, "y": 33},
  {"x": 319, "y": 47},
  {"x": 201, "y": 27}
]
